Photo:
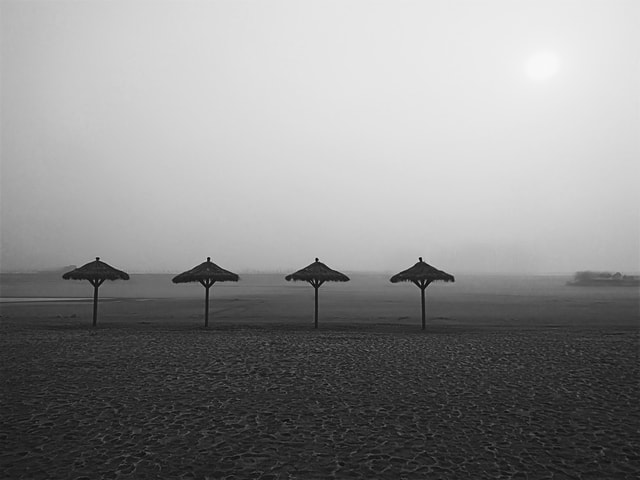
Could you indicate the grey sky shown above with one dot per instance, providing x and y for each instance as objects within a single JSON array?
[{"x": 266, "y": 133}]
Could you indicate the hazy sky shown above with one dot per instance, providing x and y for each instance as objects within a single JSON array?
[{"x": 367, "y": 133}]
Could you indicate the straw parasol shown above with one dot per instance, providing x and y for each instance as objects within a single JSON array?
[
  {"x": 316, "y": 274},
  {"x": 207, "y": 273},
  {"x": 96, "y": 272},
  {"x": 422, "y": 274}
]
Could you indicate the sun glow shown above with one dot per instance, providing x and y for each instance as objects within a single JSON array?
[{"x": 542, "y": 66}]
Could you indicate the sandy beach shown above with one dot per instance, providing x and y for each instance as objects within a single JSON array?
[{"x": 150, "y": 393}]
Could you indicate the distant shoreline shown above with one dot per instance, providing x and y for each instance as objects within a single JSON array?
[
  {"x": 604, "y": 283},
  {"x": 589, "y": 278}
]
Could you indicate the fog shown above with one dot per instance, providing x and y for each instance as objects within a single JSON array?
[{"x": 365, "y": 133}]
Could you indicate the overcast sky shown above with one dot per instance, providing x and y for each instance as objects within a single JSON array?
[{"x": 495, "y": 136}]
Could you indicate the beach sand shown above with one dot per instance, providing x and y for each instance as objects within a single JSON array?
[{"x": 494, "y": 388}]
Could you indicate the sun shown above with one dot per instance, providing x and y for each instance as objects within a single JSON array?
[{"x": 542, "y": 66}]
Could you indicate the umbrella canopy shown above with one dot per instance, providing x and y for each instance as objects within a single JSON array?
[
  {"x": 422, "y": 274},
  {"x": 316, "y": 274},
  {"x": 207, "y": 273},
  {"x": 96, "y": 273},
  {"x": 96, "y": 270}
]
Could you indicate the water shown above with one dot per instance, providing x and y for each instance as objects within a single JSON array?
[
  {"x": 467, "y": 287},
  {"x": 368, "y": 298}
]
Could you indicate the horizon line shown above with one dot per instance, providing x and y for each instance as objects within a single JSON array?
[{"x": 355, "y": 271}]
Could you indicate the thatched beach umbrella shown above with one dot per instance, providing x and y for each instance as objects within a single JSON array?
[
  {"x": 207, "y": 273},
  {"x": 316, "y": 274},
  {"x": 422, "y": 274},
  {"x": 96, "y": 272}
]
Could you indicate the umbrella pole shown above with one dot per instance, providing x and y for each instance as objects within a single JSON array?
[
  {"x": 316, "y": 309},
  {"x": 423, "y": 309},
  {"x": 206, "y": 305},
  {"x": 95, "y": 301},
  {"x": 96, "y": 283}
]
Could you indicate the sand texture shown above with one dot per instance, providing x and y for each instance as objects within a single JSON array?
[{"x": 284, "y": 401}]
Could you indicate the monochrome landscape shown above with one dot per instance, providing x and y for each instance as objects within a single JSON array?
[{"x": 332, "y": 239}]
